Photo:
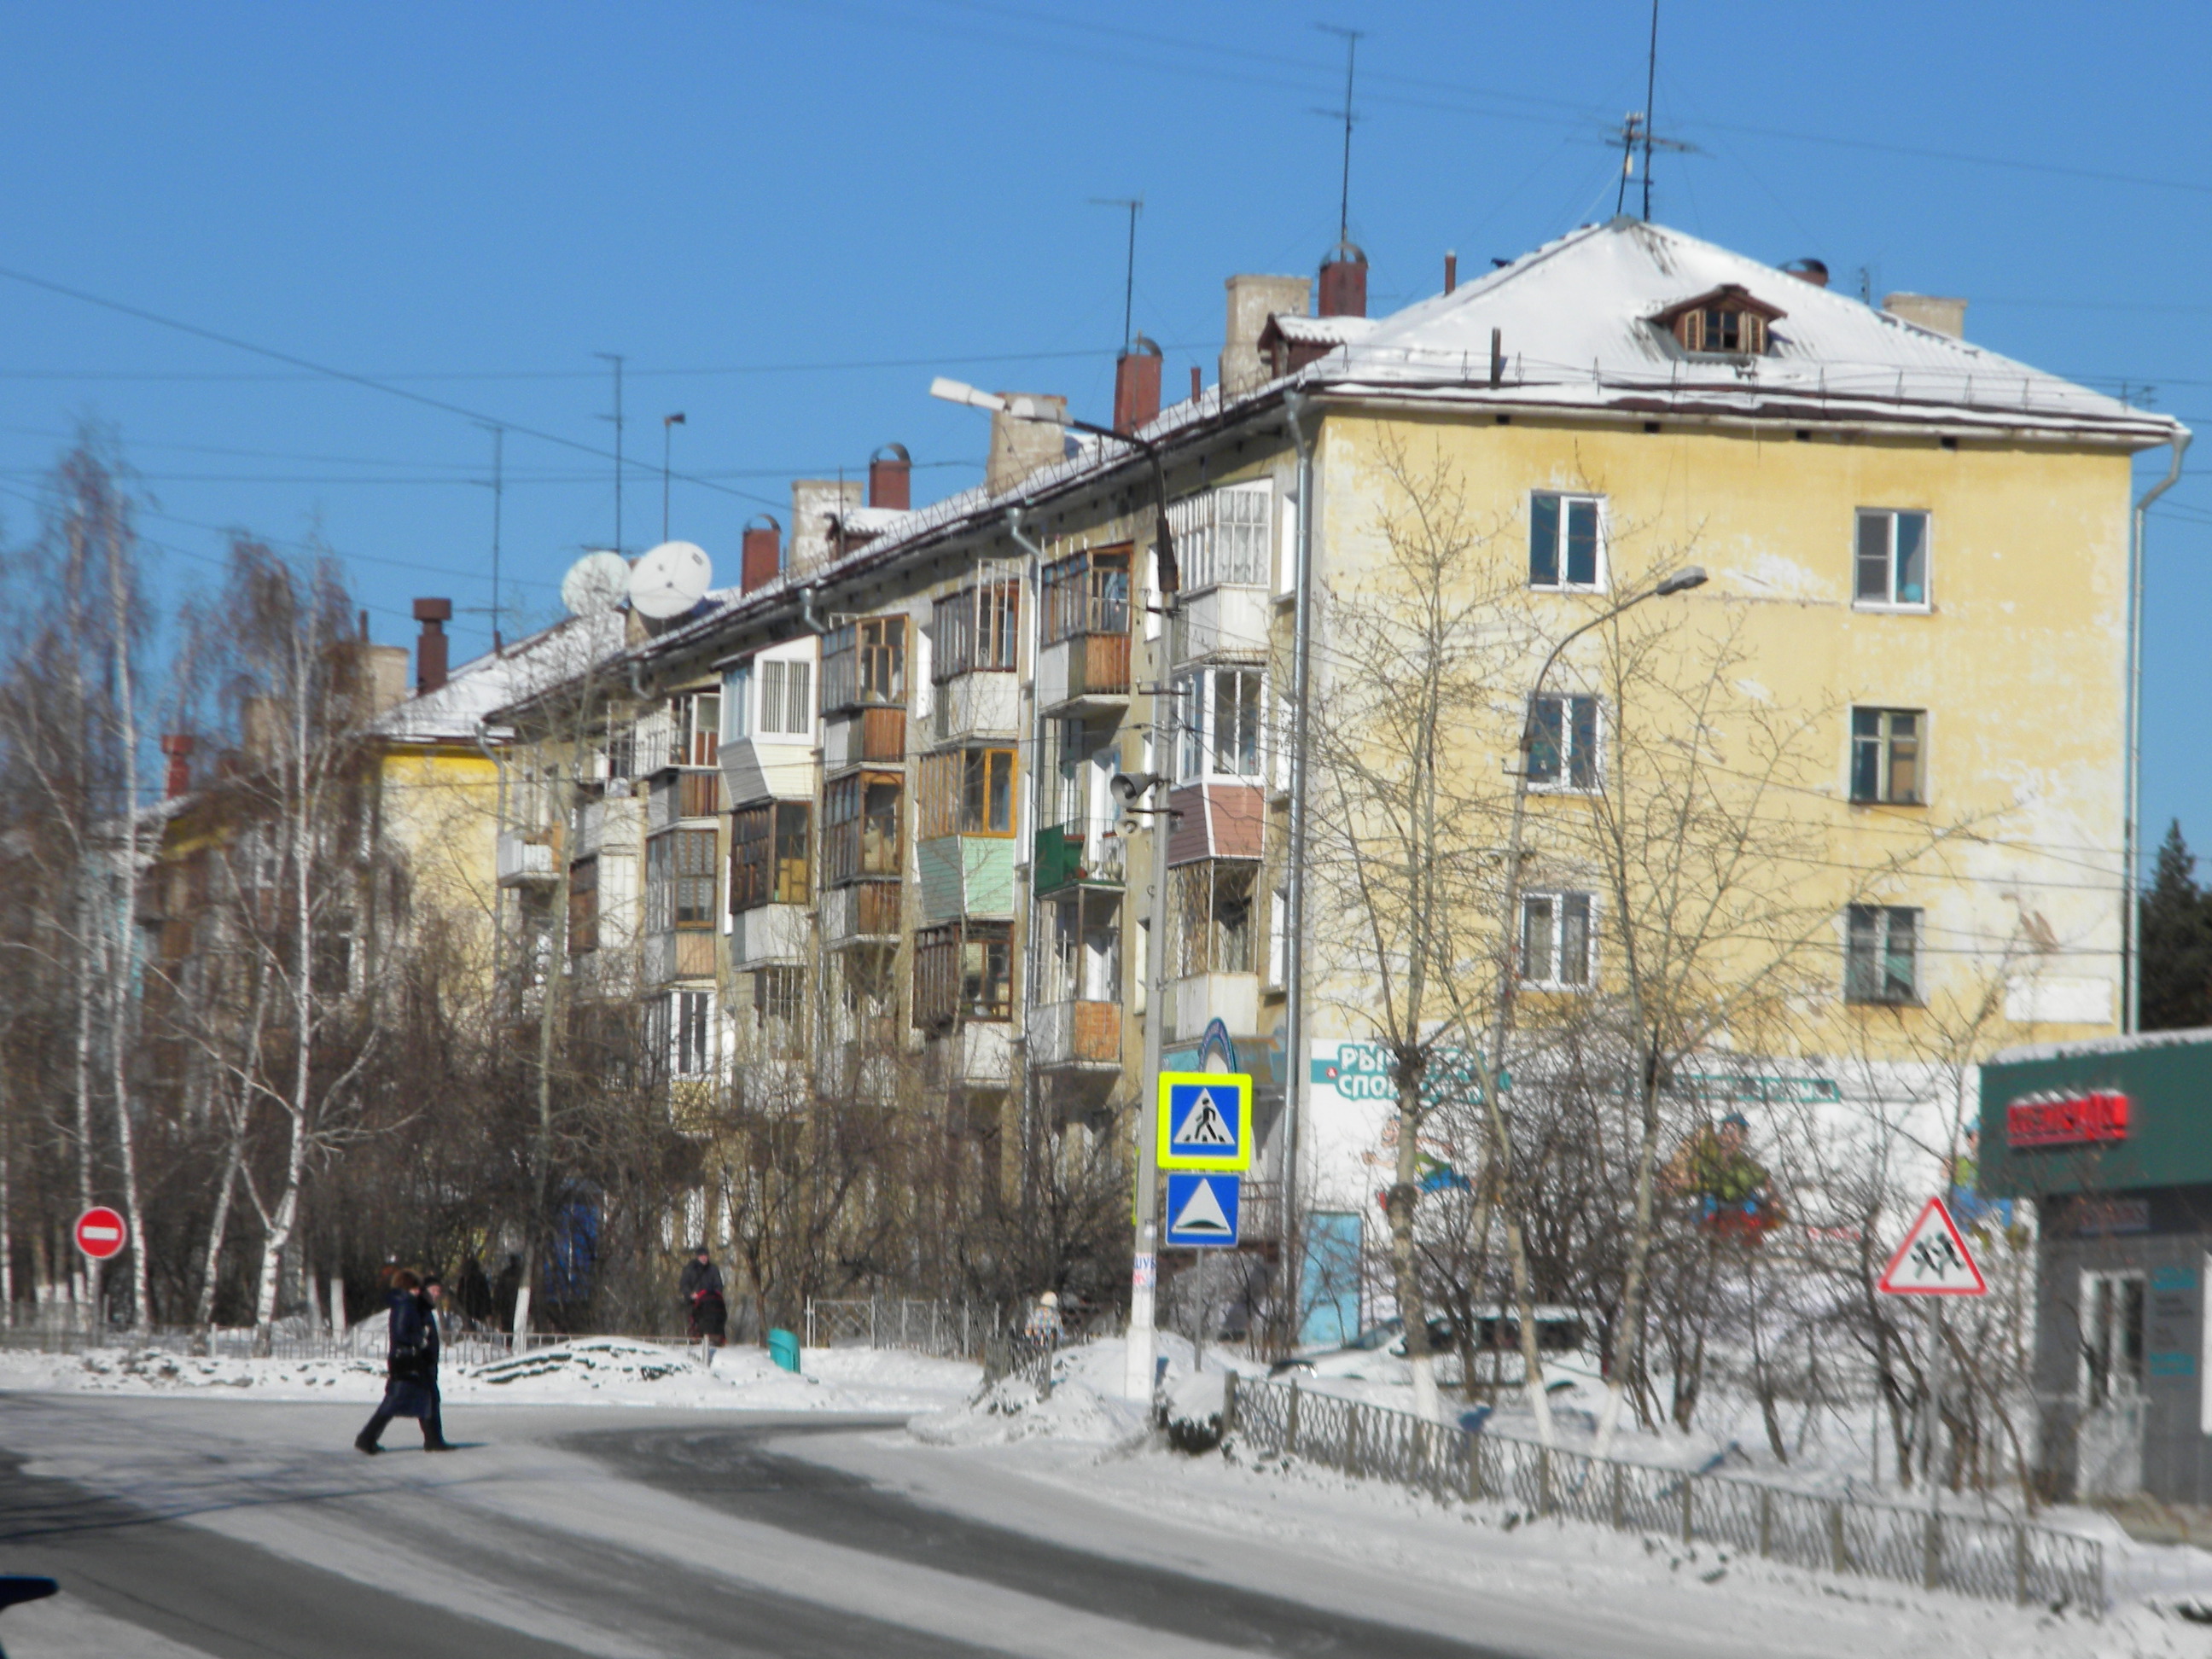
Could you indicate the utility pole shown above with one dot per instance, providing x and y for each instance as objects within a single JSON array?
[
  {"x": 615, "y": 357},
  {"x": 668, "y": 423}
]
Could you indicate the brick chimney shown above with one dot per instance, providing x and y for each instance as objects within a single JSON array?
[
  {"x": 178, "y": 746},
  {"x": 1252, "y": 300},
  {"x": 890, "y": 478},
  {"x": 1020, "y": 447},
  {"x": 1812, "y": 270},
  {"x": 1935, "y": 312},
  {"x": 763, "y": 554},
  {"x": 1344, "y": 282},
  {"x": 1136, "y": 385},
  {"x": 430, "y": 647}
]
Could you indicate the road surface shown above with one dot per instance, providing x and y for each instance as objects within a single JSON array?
[{"x": 190, "y": 1527}]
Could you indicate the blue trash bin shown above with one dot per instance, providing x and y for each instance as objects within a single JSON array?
[{"x": 783, "y": 1348}]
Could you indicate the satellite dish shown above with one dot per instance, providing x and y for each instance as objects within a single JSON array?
[
  {"x": 594, "y": 583},
  {"x": 669, "y": 580}
]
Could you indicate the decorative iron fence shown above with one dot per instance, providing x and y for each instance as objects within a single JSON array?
[{"x": 1997, "y": 1558}]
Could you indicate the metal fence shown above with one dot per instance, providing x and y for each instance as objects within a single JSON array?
[
  {"x": 949, "y": 1330},
  {"x": 1998, "y": 1557}
]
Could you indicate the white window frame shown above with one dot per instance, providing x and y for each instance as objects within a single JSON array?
[
  {"x": 2120, "y": 1388},
  {"x": 786, "y": 691},
  {"x": 1567, "y": 499},
  {"x": 1198, "y": 726},
  {"x": 738, "y": 702},
  {"x": 1885, "y": 745},
  {"x": 1890, "y": 601},
  {"x": 1558, "y": 899},
  {"x": 1570, "y": 750},
  {"x": 1234, "y": 516}
]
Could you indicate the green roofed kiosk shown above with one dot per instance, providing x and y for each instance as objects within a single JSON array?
[{"x": 2114, "y": 1140}]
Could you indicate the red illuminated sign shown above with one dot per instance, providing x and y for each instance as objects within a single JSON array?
[{"x": 2068, "y": 1119}]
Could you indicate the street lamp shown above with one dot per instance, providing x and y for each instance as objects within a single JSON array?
[
  {"x": 1493, "y": 1062},
  {"x": 1143, "y": 1270},
  {"x": 668, "y": 423}
]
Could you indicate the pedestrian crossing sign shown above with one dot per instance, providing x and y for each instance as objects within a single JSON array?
[
  {"x": 1205, "y": 1120},
  {"x": 1202, "y": 1209}
]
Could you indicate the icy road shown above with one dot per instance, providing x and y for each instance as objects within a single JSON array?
[{"x": 182, "y": 1527}]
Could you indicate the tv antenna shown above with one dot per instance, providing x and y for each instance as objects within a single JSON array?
[
  {"x": 498, "y": 501},
  {"x": 1351, "y": 38},
  {"x": 1636, "y": 128},
  {"x": 1136, "y": 205},
  {"x": 615, "y": 358}
]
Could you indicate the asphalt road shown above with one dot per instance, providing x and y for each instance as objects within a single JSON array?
[{"x": 177, "y": 1532}]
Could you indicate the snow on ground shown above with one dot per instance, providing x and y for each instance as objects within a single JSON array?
[{"x": 591, "y": 1371}]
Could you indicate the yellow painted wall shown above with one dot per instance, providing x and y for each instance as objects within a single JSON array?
[{"x": 440, "y": 807}]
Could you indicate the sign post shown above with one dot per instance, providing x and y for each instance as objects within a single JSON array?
[
  {"x": 100, "y": 1234},
  {"x": 1934, "y": 1262}
]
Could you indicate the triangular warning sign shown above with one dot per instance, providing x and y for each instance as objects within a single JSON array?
[
  {"x": 1934, "y": 1260},
  {"x": 1203, "y": 1125},
  {"x": 1203, "y": 1214}
]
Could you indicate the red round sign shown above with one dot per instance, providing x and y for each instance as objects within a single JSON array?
[{"x": 100, "y": 1233}]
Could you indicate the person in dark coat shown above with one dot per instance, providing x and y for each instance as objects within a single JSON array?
[
  {"x": 702, "y": 1288},
  {"x": 411, "y": 1364}
]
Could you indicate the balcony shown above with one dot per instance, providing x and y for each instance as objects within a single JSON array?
[
  {"x": 676, "y": 796},
  {"x": 769, "y": 935},
  {"x": 1080, "y": 855},
  {"x": 1223, "y": 621},
  {"x": 967, "y": 876},
  {"x": 1232, "y": 998},
  {"x": 1087, "y": 674},
  {"x": 863, "y": 737},
  {"x": 686, "y": 955},
  {"x": 860, "y": 1071},
  {"x": 864, "y": 913},
  {"x": 1076, "y": 1036},
  {"x": 979, "y": 1055},
  {"x": 526, "y": 860},
  {"x": 977, "y": 705},
  {"x": 610, "y": 825}
]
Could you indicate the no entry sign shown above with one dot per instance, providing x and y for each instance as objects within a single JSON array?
[{"x": 100, "y": 1233}]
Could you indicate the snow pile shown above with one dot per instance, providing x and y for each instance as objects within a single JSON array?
[
  {"x": 1086, "y": 1403},
  {"x": 153, "y": 1370}
]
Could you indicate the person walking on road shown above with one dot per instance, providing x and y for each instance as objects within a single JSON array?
[
  {"x": 411, "y": 1364},
  {"x": 702, "y": 1288}
]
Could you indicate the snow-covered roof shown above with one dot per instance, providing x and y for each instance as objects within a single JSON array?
[
  {"x": 867, "y": 520},
  {"x": 483, "y": 685},
  {"x": 1575, "y": 327},
  {"x": 2188, "y": 1037}
]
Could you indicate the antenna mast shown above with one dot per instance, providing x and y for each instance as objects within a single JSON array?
[
  {"x": 1136, "y": 205},
  {"x": 498, "y": 500},
  {"x": 615, "y": 357},
  {"x": 1650, "y": 88},
  {"x": 1351, "y": 38}
]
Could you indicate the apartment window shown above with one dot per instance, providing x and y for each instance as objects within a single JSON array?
[
  {"x": 1222, "y": 537},
  {"x": 968, "y": 792},
  {"x": 1087, "y": 593},
  {"x": 621, "y": 749},
  {"x": 737, "y": 702},
  {"x": 1886, "y": 755},
  {"x": 1217, "y": 712},
  {"x": 2112, "y": 1324},
  {"x": 860, "y": 826},
  {"x": 1563, "y": 741},
  {"x": 689, "y": 1018},
  {"x": 679, "y": 880},
  {"x": 1892, "y": 558},
  {"x": 584, "y": 906},
  {"x": 1882, "y": 951},
  {"x": 1215, "y": 901},
  {"x": 962, "y": 972},
  {"x": 786, "y": 699},
  {"x": 770, "y": 855},
  {"x": 976, "y": 630},
  {"x": 1728, "y": 321},
  {"x": 1080, "y": 958},
  {"x": 1556, "y": 940},
  {"x": 779, "y": 996},
  {"x": 1565, "y": 541},
  {"x": 864, "y": 664},
  {"x": 694, "y": 728}
]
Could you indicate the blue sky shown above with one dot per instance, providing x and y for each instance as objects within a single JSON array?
[{"x": 788, "y": 218}]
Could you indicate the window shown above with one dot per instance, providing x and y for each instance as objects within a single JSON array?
[
  {"x": 737, "y": 702},
  {"x": 786, "y": 699},
  {"x": 968, "y": 792},
  {"x": 1088, "y": 593},
  {"x": 1556, "y": 940},
  {"x": 962, "y": 972},
  {"x": 1563, "y": 743},
  {"x": 1728, "y": 321},
  {"x": 621, "y": 749},
  {"x": 976, "y": 630},
  {"x": 688, "y": 1015},
  {"x": 1214, "y": 900},
  {"x": 779, "y": 996},
  {"x": 1565, "y": 541},
  {"x": 860, "y": 827},
  {"x": 1886, "y": 755},
  {"x": 1892, "y": 558},
  {"x": 1882, "y": 948},
  {"x": 864, "y": 664},
  {"x": 1222, "y": 537},
  {"x": 2111, "y": 1326},
  {"x": 1218, "y": 713},
  {"x": 1080, "y": 959},
  {"x": 694, "y": 728},
  {"x": 584, "y": 906},
  {"x": 771, "y": 857},
  {"x": 679, "y": 880}
]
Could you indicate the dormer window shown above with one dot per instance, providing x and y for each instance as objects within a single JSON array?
[{"x": 1729, "y": 322}]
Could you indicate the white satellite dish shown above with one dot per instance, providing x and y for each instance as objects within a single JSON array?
[
  {"x": 594, "y": 583},
  {"x": 669, "y": 580}
]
